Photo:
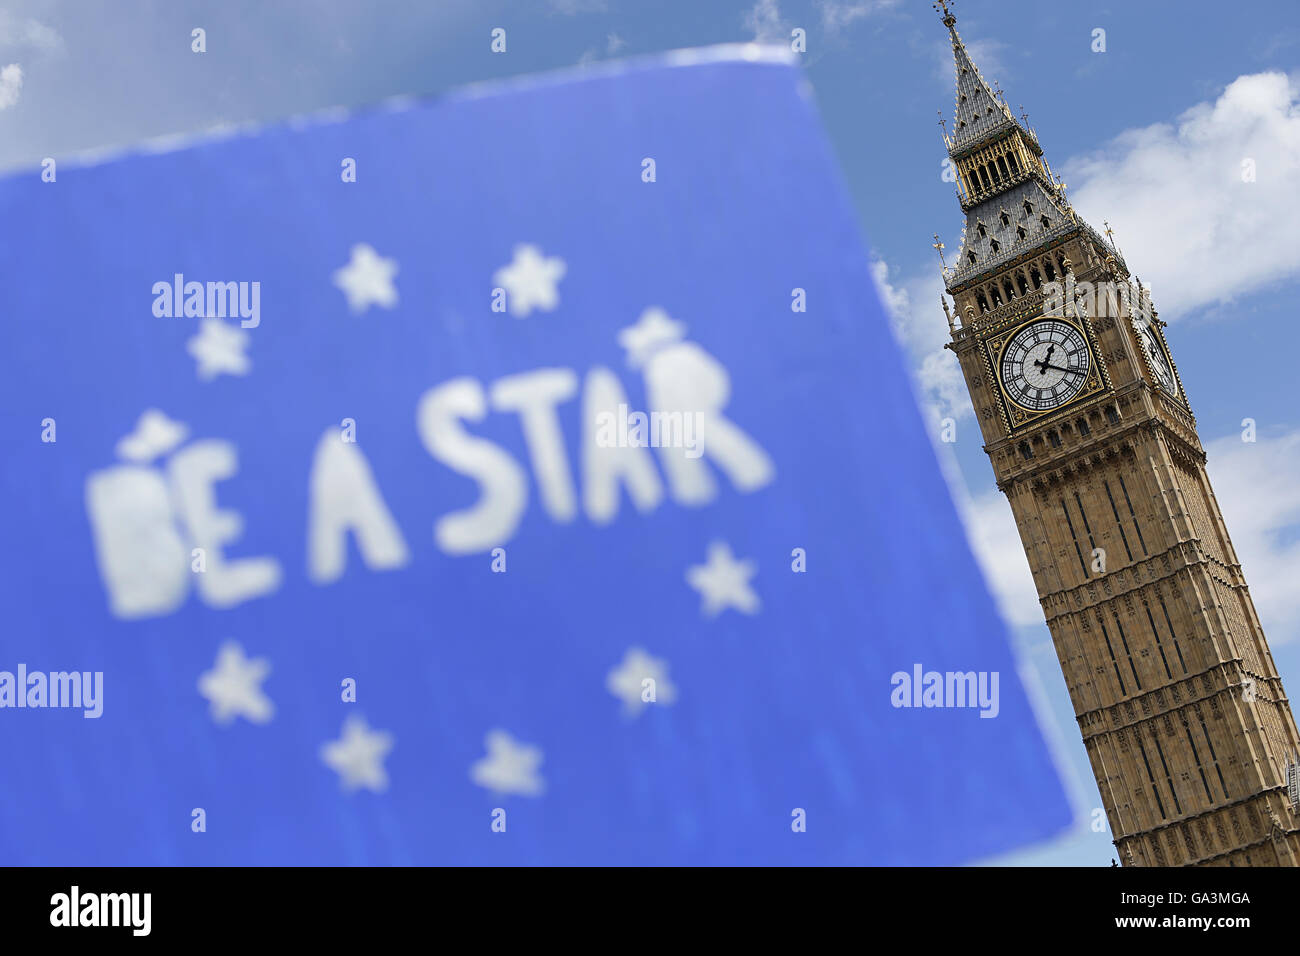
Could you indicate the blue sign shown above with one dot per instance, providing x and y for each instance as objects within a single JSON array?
[{"x": 525, "y": 476}]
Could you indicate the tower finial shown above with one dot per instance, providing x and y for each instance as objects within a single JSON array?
[
  {"x": 943, "y": 300},
  {"x": 941, "y": 6},
  {"x": 1110, "y": 234},
  {"x": 938, "y": 245}
]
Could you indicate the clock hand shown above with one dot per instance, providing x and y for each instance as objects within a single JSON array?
[{"x": 1044, "y": 365}]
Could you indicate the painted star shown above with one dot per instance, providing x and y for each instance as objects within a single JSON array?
[
  {"x": 234, "y": 686},
  {"x": 530, "y": 281},
  {"x": 509, "y": 767},
  {"x": 724, "y": 582},
  {"x": 627, "y": 681},
  {"x": 367, "y": 279},
  {"x": 358, "y": 755},
  {"x": 155, "y": 434},
  {"x": 653, "y": 331},
  {"x": 219, "y": 348}
]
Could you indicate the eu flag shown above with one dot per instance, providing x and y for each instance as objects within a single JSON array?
[{"x": 524, "y": 476}]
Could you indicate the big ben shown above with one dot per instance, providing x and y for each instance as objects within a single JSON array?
[{"x": 1093, "y": 441}]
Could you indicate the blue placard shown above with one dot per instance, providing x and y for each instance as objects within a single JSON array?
[{"x": 525, "y": 476}]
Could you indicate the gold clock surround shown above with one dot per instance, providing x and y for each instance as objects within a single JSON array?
[
  {"x": 1158, "y": 339},
  {"x": 995, "y": 341}
]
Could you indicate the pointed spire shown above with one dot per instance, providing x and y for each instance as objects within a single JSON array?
[{"x": 978, "y": 110}]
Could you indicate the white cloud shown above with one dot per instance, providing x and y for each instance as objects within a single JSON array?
[
  {"x": 571, "y": 8},
  {"x": 613, "y": 44},
  {"x": 1257, "y": 485},
  {"x": 919, "y": 325},
  {"x": 837, "y": 14},
  {"x": 764, "y": 21},
  {"x": 28, "y": 35},
  {"x": 944, "y": 386},
  {"x": 11, "y": 84},
  {"x": 1185, "y": 219},
  {"x": 896, "y": 300},
  {"x": 991, "y": 529}
]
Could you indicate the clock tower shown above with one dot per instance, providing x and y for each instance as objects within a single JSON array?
[{"x": 1093, "y": 441}]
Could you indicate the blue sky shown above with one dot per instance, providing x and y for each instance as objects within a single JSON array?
[{"x": 1150, "y": 134}]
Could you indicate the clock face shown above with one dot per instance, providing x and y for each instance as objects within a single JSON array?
[
  {"x": 1156, "y": 358},
  {"x": 1045, "y": 365}
]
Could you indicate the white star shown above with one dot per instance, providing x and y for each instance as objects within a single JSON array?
[
  {"x": 367, "y": 279},
  {"x": 358, "y": 755},
  {"x": 724, "y": 582},
  {"x": 626, "y": 681},
  {"x": 509, "y": 767},
  {"x": 234, "y": 686},
  {"x": 530, "y": 280},
  {"x": 653, "y": 331},
  {"x": 219, "y": 348},
  {"x": 155, "y": 434}
]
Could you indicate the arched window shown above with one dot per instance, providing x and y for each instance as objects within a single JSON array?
[
  {"x": 1035, "y": 277},
  {"x": 1051, "y": 272},
  {"x": 1015, "y": 166},
  {"x": 1029, "y": 208},
  {"x": 1021, "y": 284},
  {"x": 1025, "y": 451},
  {"x": 1082, "y": 423},
  {"x": 1045, "y": 221},
  {"x": 993, "y": 243},
  {"x": 997, "y": 297},
  {"x": 971, "y": 256},
  {"x": 1054, "y": 439},
  {"x": 1006, "y": 220},
  {"x": 1002, "y": 165},
  {"x": 982, "y": 302},
  {"x": 982, "y": 231},
  {"x": 1006, "y": 287},
  {"x": 1020, "y": 232}
]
